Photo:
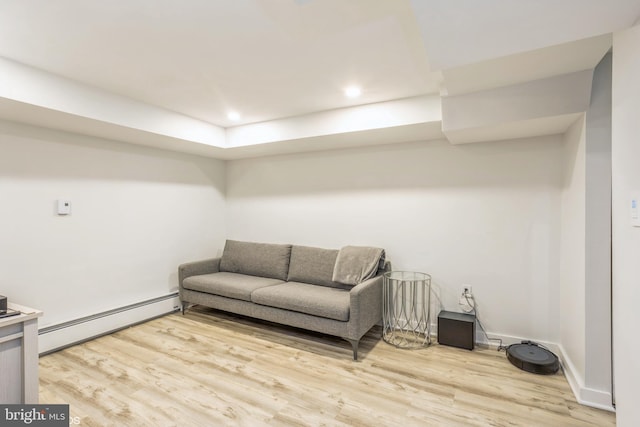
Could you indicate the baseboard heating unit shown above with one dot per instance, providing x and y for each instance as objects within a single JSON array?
[{"x": 56, "y": 337}]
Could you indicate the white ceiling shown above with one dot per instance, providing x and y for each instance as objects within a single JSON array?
[
  {"x": 266, "y": 59},
  {"x": 462, "y": 32},
  {"x": 276, "y": 59}
]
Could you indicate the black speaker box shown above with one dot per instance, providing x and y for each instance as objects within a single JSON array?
[
  {"x": 3, "y": 303},
  {"x": 456, "y": 329}
]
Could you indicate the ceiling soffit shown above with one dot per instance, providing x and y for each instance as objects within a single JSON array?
[{"x": 166, "y": 75}]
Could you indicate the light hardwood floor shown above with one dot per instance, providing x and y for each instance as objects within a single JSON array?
[{"x": 208, "y": 368}]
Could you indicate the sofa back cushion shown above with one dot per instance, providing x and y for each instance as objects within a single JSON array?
[
  {"x": 314, "y": 266},
  {"x": 256, "y": 259}
]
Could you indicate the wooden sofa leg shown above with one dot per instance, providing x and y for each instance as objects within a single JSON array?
[
  {"x": 354, "y": 346},
  {"x": 185, "y": 305}
]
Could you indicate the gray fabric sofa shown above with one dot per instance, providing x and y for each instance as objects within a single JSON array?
[{"x": 287, "y": 284}]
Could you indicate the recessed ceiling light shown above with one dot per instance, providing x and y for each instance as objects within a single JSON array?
[
  {"x": 352, "y": 92},
  {"x": 234, "y": 116}
]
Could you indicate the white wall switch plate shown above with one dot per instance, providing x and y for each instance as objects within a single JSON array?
[
  {"x": 634, "y": 209},
  {"x": 64, "y": 207}
]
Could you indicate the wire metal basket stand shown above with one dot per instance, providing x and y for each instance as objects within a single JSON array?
[{"x": 406, "y": 302}]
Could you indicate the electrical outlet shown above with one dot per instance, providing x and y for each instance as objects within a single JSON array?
[
  {"x": 466, "y": 290},
  {"x": 466, "y": 301}
]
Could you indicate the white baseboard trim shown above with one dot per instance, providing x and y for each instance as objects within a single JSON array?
[
  {"x": 585, "y": 396},
  {"x": 56, "y": 337}
]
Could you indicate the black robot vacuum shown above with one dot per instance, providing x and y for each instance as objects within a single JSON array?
[{"x": 532, "y": 357}]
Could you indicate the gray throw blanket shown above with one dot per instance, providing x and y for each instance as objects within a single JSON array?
[{"x": 355, "y": 264}]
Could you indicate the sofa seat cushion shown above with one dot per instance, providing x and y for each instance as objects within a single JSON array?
[
  {"x": 230, "y": 285},
  {"x": 257, "y": 259},
  {"x": 322, "y": 301}
]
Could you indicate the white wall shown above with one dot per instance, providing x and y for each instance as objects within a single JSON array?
[
  {"x": 485, "y": 214},
  {"x": 584, "y": 288},
  {"x": 626, "y": 239},
  {"x": 136, "y": 214},
  {"x": 571, "y": 286},
  {"x": 598, "y": 238}
]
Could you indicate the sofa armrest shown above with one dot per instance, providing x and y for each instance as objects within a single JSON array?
[
  {"x": 365, "y": 306},
  {"x": 196, "y": 268}
]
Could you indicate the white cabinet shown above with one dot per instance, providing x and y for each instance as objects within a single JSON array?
[{"x": 19, "y": 356}]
